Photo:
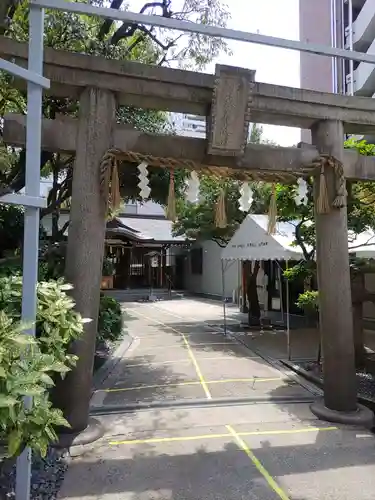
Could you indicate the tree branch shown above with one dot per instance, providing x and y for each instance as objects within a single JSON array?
[
  {"x": 299, "y": 239},
  {"x": 127, "y": 30},
  {"x": 106, "y": 26},
  {"x": 63, "y": 229}
]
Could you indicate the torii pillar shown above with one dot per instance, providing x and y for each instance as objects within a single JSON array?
[
  {"x": 97, "y": 109},
  {"x": 335, "y": 303}
]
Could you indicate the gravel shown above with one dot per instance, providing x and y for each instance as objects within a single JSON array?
[
  {"x": 46, "y": 479},
  {"x": 365, "y": 381}
]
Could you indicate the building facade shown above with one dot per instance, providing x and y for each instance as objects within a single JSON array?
[
  {"x": 342, "y": 23},
  {"x": 189, "y": 125},
  {"x": 346, "y": 24}
]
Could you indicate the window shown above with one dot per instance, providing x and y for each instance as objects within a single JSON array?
[{"x": 196, "y": 260}]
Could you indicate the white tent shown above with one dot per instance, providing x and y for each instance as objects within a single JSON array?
[{"x": 251, "y": 241}]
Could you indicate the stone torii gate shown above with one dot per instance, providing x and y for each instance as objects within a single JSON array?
[{"x": 229, "y": 100}]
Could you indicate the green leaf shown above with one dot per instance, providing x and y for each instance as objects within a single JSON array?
[
  {"x": 7, "y": 401},
  {"x": 30, "y": 390},
  {"x": 59, "y": 420},
  {"x": 24, "y": 339},
  {"x": 46, "y": 379},
  {"x": 14, "y": 442},
  {"x": 58, "y": 367},
  {"x": 66, "y": 286},
  {"x": 50, "y": 433}
]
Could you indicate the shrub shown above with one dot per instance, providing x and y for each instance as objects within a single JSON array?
[
  {"x": 57, "y": 324},
  {"x": 11, "y": 268},
  {"x": 25, "y": 371},
  {"x": 110, "y": 320},
  {"x": 108, "y": 267},
  {"x": 308, "y": 302},
  {"x": 51, "y": 263}
]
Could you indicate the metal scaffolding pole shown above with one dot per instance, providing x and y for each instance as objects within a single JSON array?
[
  {"x": 203, "y": 29},
  {"x": 32, "y": 216},
  {"x": 31, "y": 200}
]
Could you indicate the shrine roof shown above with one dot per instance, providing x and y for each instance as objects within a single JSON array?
[{"x": 151, "y": 229}]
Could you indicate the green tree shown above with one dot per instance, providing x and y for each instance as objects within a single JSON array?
[
  {"x": 91, "y": 35},
  {"x": 198, "y": 220},
  {"x": 361, "y": 212},
  {"x": 361, "y": 216}
]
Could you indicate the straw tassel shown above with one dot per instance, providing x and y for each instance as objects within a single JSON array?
[
  {"x": 323, "y": 202},
  {"x": 115, "y": 188},
  {"x": 220, "y": 214},
  {"x": 171, "y": 205},
  {"x": 272, "y": 212}
]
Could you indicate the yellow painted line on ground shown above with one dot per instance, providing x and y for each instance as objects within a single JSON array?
[
  {"x": 234, "y": 357},
  {"x": 197, "y": 369},
  {"x": 173, "y": 361},
  {"x": 154, "y": 386},
  {"x": 190, "y": 352},
  {"x": 258, "y": 464},
  {"x": 191, "y": 382},
  {"x": 177, "y": 439},
  {"x": 155, "y": 363},
  {"x": 203, "y": 344}
]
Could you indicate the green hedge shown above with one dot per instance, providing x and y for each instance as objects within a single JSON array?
[
  {"x": 110, "y": 320},
  {"x": 28, "y": 365},
  {"x": 57, "y": 323}
]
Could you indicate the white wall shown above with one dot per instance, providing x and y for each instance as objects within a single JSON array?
[{"x": 210, "y": 281}]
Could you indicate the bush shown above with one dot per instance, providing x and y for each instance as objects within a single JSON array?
[
  {"x": 309, "y": 303},
  {"x": 108, "y": 267},
  {"x": 25, "y": 371},
  {"x": 57, "y": 324},
  {"x": 11, "y": 268},
  {"x": 110, "y": 320}
]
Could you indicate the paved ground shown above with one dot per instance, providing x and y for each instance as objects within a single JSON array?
[{"x": 220, "y": 423}]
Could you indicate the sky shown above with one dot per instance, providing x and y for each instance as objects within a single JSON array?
[{"x": 273, "y": 65}]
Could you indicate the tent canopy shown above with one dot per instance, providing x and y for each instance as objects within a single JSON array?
[{"x": 252, "y": 242}]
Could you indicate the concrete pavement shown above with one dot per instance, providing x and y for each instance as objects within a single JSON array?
[{"x": 245, "y": 445}]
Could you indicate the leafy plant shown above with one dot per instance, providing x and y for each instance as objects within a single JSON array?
[
  {"x": 309, "y": 302},
  {"x": 11, "y": 268},
  {"x": 108, "y": 267},
  {"x": 57, "y": 324},
  {"x": 110, "y": 320},
  {"x": 26, "y": 372}
]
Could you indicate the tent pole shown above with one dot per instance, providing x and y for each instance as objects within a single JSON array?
[
  {"x": 288, "y": 319},
  {"x": 281, "y": 291},
  {"x": 223, "y": 296}
]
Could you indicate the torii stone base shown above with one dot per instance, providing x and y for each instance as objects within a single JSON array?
[
  {"x": 362, "y": 416},
  {"x": 76, "y": 442}
]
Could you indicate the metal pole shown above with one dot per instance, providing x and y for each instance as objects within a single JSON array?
[
  {"x": 337, "y": 38},
  {"x": 31, "y": 230},
  {"x": 203, "y": 29},
  {"x": 223, "y": 296},
  {"x": 340, "y": 45},
  {"x": 333, "y": 43},
  {"x": 281, "y": 292},
  {"x": 288, "y": 318},
  {"x": 351, "y": 65}
]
